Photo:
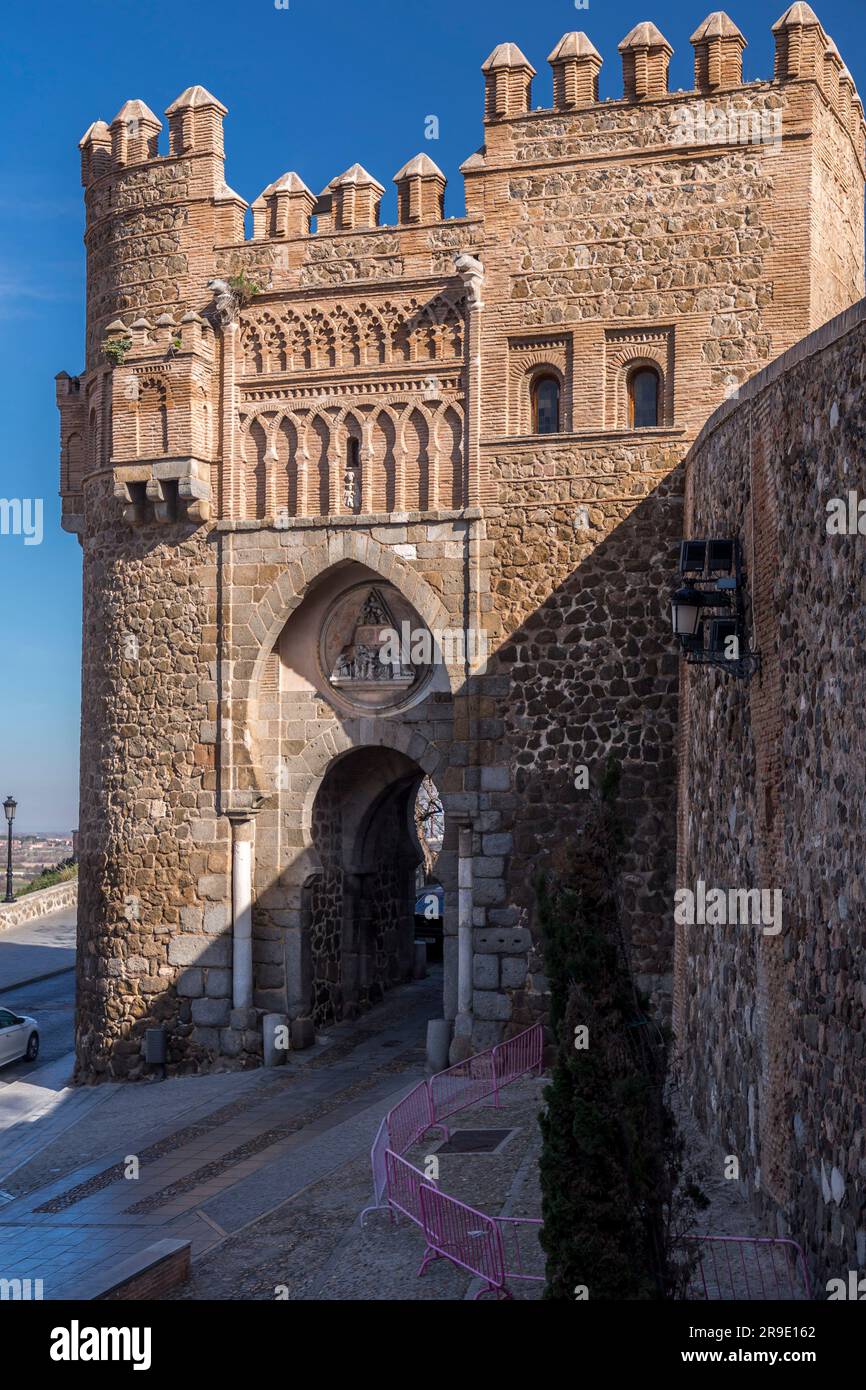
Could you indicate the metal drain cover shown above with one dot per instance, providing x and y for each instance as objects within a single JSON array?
[{"x": 475, "y": 1141}]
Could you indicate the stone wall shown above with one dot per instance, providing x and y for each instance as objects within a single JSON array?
[
  {"x": 772, "y": 792},
  {"x": 365, "y": 416},
  {"x": 31, "y": 906},
  {"x": 154, "y": 855}
]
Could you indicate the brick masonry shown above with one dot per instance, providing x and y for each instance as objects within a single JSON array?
[
  {"x": 360, "y": 414},
  {"x": 771, "y": 795}
]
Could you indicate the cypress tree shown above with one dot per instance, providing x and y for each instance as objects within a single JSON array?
[{"x": 610, "y": 1157}]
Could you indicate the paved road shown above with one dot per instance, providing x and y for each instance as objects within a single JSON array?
[
  {"x": 51, "y": 1003},
  {"x": 37, "y": 949},
  {"x": 215, "y": 1152}
]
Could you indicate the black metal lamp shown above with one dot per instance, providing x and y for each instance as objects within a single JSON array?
[
  {"x": 10, "y": 805},
  {"x": 708, "y": 612},
  {"x": 686, "y": 605}
]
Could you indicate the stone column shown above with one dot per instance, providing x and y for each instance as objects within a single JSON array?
[
  {"x": 243, "y": 840},
  {"x": 471, "y": 272},
  {"x": 462, "y": 1044}
]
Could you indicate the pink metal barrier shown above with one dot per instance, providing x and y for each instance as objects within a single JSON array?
[
  {"x": 486, "y": 1073},
  {"x": 486, "y": 1246},
  {"x": 518, "y": 1055},
  {"x": 447, "y": 1092},
  {"x": 411, "y": 1117},
  {"x": 380, "y": 1173},
  {"x": 405, "y": 1185},
  {"x": 748, "y": 1267},
  {"x": 463, "y": 1085},
  {"x": 466, "y": 1237}
]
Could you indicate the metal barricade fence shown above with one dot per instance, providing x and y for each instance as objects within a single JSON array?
[
  {"x": 518, "y": 1055},
  {"x": 517, "y": 1258},
  {"x": 748, "y": 1267},
  {"x": 428, "y": 1103},
  {"x": 463, "y": 1085},
  {"x": 462, "y": 1235},
  {"x": 410, "y": 1118},
  {"x": 404, "y": 1186},
  {"x": 381, "y": 1144}
]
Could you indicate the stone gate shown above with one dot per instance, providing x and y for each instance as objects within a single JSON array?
[{"x": 468, "y": 429}]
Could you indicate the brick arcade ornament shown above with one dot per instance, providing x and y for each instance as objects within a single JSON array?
[{"x": 357, "y": 652}]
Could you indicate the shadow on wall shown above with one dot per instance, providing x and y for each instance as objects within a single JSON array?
[{"x": 587, "y": 668}]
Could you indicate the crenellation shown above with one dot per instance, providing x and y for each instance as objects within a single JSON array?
[
  {"x": 195, "y": 124},
  {"x": 832, "y": 70},
  {"x": 646, "y": 56},
  {"x": 576, "y": 64},
  {"x": 275, "y": 433},
  {"x": 420, "y": 191},
  {"x": 356, "y": 199},
  {"x": 95, "y": 146},
  {"x": 134, "y": 135},
  {"x": 508, "y": 76},
  {"x": 800, "y": 44},
  {"x": 718, "y": 46}
]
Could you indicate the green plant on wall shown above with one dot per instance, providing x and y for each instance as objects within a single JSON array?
[
  {"x": 245, "y": 290},
  {"x": 115, "y": 349}
]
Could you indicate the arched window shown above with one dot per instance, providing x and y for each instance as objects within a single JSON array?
[
  {"x": 545, "y": 405},
  {"x": 644, "y": 391},
  {"x": 353, "y": 452}
]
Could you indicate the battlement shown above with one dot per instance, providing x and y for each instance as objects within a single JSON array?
[
  {"x": 352, "y": 200},
  {"x": 563, "y": 221}
]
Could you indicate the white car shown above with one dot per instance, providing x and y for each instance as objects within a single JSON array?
[{"x": 19, "y": 1037}]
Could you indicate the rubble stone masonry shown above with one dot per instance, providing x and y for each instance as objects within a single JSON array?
[
  {"x": 336, "y": 412},
  {"x": 772, "y": 789}
]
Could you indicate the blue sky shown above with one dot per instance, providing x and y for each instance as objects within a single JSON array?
[{"x": 313, "y": 87}]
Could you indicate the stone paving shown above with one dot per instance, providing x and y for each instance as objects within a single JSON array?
[
  {"x": 264, "y": 1172},
  {"x": 314, "y": 1247}
]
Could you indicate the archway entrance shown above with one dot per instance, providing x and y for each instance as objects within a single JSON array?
[{"x": 359, "y": 909}]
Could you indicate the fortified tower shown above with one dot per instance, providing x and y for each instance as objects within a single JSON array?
[{"x": 467, "y": 430}]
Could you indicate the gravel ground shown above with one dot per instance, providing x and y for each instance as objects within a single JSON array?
[{"x": 313, "y": 1247}]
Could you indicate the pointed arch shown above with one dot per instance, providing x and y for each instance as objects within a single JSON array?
[
  {"x": 417, "y": 438},
  {"x": 374, "y": 336},
  {"x": 255, "y": 470},
  {"x": 383, "y": 460},
  {"x": 252, "y": 349},
  {"x": 317, "y": 439},
  {"x": 449, "y": 439},
  {"x": 284, "y": 446}
]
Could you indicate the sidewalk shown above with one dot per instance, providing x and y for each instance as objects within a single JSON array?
[
  {"x": 37, "y": 950},
  {"x": 264, "y": 1172},
  {"x": 214, "y": 1152}
]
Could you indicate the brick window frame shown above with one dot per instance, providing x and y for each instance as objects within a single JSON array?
[
  {"x": 529, "y": 359},
  {"x": 625, "y": 352}
]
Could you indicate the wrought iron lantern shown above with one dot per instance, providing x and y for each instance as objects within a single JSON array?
[{"x": 708, "y": 611}]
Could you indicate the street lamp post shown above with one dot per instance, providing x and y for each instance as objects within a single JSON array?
[{"x": 10, "y": 806}]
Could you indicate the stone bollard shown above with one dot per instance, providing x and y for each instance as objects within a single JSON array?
[
  {"x": 276, "y": 1037},
  {"x": 303, "y": 1033},
  {"x": 419, "y": 965},
  {"x": 438, "y": 1039}
]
